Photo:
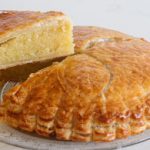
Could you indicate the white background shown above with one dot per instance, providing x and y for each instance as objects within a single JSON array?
[{"x": 129, "y": 16}]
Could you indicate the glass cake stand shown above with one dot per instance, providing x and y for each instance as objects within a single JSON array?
[{"x": 32, "y": 141}]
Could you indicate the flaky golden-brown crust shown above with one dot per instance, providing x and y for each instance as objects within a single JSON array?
[
  {"x": 99, "y": 95},
  {"x": 14, "y": 21},
  {"x": 84, "y": 37}
]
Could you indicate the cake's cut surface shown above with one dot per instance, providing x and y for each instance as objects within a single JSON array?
[
  {"x": 27, "y": 37},
  {"x": 100, "y": 95}
]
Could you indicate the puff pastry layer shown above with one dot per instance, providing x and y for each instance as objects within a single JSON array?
[{"x": 99, "y": 95}]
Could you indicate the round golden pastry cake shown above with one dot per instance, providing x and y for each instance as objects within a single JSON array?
[{"x": 100, "y": 94}]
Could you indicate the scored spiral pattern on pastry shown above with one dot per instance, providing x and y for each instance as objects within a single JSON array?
[{"x": 98, "y": 95}]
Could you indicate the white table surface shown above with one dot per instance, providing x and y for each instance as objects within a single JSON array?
[{"x": 129, "y": 16}]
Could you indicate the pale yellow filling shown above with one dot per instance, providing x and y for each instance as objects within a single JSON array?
[{"x": 40, "y": 42}]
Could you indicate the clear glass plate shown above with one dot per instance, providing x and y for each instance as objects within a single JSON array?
[{"x": 32, "y": 141}]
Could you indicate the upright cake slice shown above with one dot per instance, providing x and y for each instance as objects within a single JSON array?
[{"x": 27, "y": 37}]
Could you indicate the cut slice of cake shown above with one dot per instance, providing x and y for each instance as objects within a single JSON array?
[{"x": 28, "y": 37}]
